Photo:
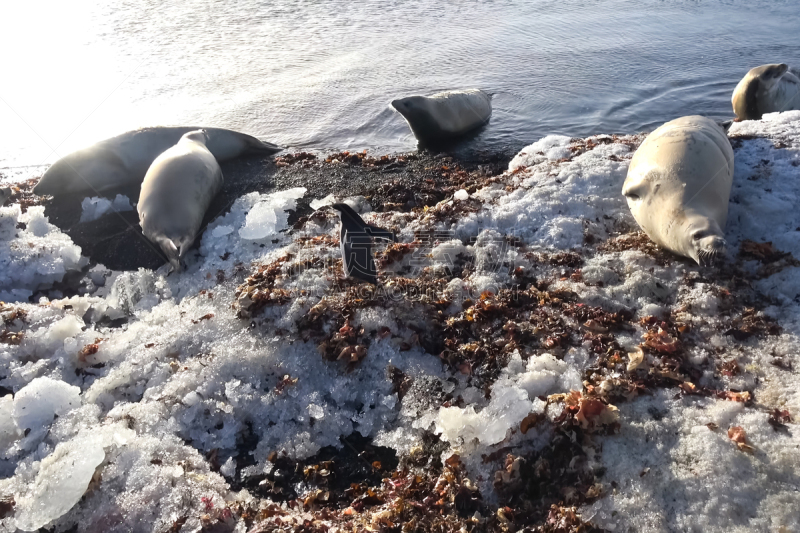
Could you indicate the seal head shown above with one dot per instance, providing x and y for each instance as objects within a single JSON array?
[
  {"x": 766, "y": 89},
  {"x": 678, "y": 187},
  {"x": 444, "y": 116}
]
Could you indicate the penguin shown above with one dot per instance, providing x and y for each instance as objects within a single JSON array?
[{"x": 356, "y": 244}]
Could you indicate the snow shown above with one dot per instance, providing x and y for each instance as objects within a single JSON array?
[
  {"x": 33, "y": 252},
  {"x": 675, "y": 473},
  {"x": 145, "y": 404},
  {"x": 94, "y": 208}
]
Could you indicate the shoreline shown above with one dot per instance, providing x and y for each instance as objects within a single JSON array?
[{"x": 260, "y": 391}]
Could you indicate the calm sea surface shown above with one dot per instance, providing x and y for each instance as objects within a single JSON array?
[{"x": 320, "y": 74}]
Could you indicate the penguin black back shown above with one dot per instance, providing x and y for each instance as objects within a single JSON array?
[{"x": 356, "y": 244}]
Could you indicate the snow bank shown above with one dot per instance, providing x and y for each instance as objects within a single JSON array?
[{"x": 259, "y": 350}]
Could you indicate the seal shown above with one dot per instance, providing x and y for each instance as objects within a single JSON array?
[
  {"x": 444, "y": 116},
  {"x": 123, "y": 161},
  {"x": 355, "y": 242},
  {"x": 767, "y": 89},
  {"x": 175, "y": 195},
  {"x": 678, "y": 186}
]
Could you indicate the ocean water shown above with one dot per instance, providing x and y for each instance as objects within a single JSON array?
[{"x": 321, "y": 74}]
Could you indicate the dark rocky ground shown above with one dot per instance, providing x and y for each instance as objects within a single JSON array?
[{"x": 397, "y": 182}]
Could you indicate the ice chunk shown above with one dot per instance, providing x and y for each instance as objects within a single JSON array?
[
  {"x": 328, "y": 200},
  {"x": 547, "y": 375},
  {"x": 67, "y": 327},
  {"x": 229, "y": 468},
  {"x": 9, "y": 432},
  {"x": 37, "y": 403},
  {"x": 316, "y": 411},
  {"x": 358, "y": 203},
  {"x": 461, "y": 194},
  {"x": 509, "y": 405},
  {"x": 268, "y": 217},
  {"x": 63, "y": 478},
  {"x": 94, "y": 208},
  {"x": 220, "y": 231}
]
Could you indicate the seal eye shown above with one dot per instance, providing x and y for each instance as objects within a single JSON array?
[
  {"x": 698, "y": 235},
  {"x": 632, "y": 196}
]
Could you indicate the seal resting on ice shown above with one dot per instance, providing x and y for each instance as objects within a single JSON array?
[
  {"x": 767, "y": 89},
  {"x": 123, "y": 161},
  {"x": 444, "y": 116},
  {"x": 175, "y": 195},
  {"x": 678, "y": 186}
]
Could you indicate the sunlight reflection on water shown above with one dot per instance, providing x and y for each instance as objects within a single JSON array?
[{"x": 321, "y": 74}]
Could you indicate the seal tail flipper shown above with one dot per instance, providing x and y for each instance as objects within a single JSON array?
[{"x": 257, "y": 146}]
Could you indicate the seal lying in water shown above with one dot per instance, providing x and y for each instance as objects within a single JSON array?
[
  {"x": 766, "y": 89},
  {"x": 444, "y": 116},
  {"x": 678, "y": 187},
  {"x": 355, "y": 241},
  {"x": 176, "y": 192},
  {"x": 123, "y": 160}
]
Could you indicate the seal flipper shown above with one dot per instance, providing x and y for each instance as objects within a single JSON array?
[
  {"x": 265, "y": 147},
  {"x": 726, "y": 125}
]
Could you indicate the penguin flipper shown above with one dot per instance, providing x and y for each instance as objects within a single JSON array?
[{"x": 380, "y": 233}]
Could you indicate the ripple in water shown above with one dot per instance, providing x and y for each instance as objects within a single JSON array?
[{"x": 321, "y": 75}]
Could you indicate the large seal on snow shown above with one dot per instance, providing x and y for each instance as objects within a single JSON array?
[
  {"x": 679, "y": 184},
  {"x": 446, "y": 115},
  {"x": 767, "y": 89},
  {"x": 123, "y": 160},
  {"x": 176, "y": 192}
]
